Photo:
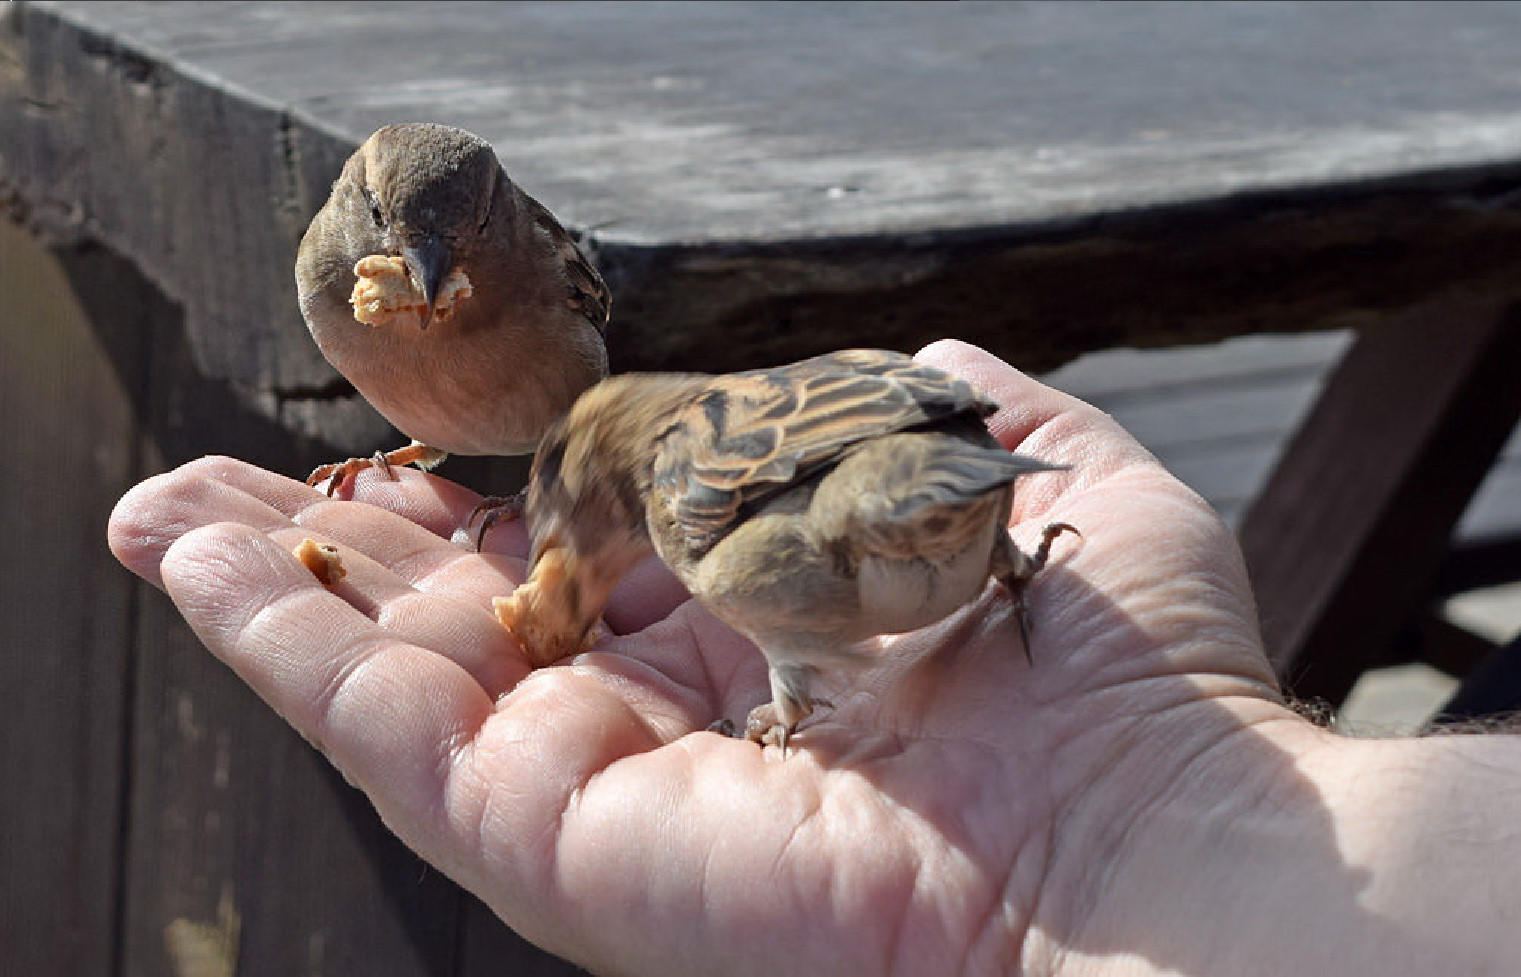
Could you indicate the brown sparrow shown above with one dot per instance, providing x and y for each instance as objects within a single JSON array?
[
  {"x": 811, "y": 507},
  {"x": 453, "y": 301}
]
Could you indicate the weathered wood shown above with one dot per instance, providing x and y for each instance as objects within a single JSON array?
[
  {"x": 1347, "y": 538},
  {"x": 489, "y": 949},
  {"x": 1491, "y": 689},
  {"x": 1438, "y": 642},
  {"x": 69, "y": 432},
  {"x": 839, "y": 203},
  {"x": 719, "y": 123}
]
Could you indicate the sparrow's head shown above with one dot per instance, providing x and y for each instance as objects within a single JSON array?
[
  {"x": 586, "y": 510},
  {"x": 428, "y": 193},
  {"x": 590, "y": 478}
]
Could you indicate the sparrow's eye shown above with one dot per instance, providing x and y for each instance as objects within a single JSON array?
[{"x": 375, "y": 214}]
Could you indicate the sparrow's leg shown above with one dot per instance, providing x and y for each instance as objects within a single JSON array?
[
  {"x": 494, "y": 509},
  {"x": 415, "y": 453},
  {"x": 1015, "y": 569},
  {"x": 774, "y": 722}
]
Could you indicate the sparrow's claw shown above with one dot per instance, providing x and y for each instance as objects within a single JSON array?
[
  {"x": 336, "y": 474},
  {"x": 1043, "y": 551},
  {"x": 1018, "y": 579},
  {"x": 339, "y": 472},
  {"x": 494, "y": 509},
  {"x": 764, "y": 725}
]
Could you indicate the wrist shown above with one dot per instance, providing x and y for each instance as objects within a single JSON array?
[{"x": 1261, "y": 844}]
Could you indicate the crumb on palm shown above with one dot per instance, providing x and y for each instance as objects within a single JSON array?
[{"x": 322, "y": 560}]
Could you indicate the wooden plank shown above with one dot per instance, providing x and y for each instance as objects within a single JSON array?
[
  {"x": 68, "y": 427},
  {"x": 1495, "y": 513},
  {"x": 1347, "y": 537},
  {"x": 1113, "y": 378},
  {"x": 800, "y": 121},
  {"x": 229, "y": 805},
  {"x": 489, "y": 949},
  {"x": 1095, "y": 231}
]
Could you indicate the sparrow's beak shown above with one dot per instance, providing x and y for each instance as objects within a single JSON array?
[{"x": 428, "y": 260}]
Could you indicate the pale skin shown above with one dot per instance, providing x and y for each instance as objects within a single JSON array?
[{"x": 1139, "y": 801}]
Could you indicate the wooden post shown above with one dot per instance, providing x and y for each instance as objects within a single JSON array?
[{"x": 1347, "y": 537}]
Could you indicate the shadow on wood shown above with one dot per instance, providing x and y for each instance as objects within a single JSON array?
[{"x": 1346, "y": 541}]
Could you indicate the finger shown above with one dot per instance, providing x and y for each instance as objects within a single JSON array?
[
  {"x": 1037, "y": 420},
  {"x": 160, "y": 510},
  {"x": 648, "y": 593},
  {"x": 445, "y": 508},
  {"x": 453, "y": 621},
  {"x": 423, "y": 533},
  {"x": 437, "y": 756},
  {"x": 389, "y": 714},
  {"x": 153, "y": 514}
]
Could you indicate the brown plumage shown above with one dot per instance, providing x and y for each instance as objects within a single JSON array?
[
  {"x": 488, "y": 375},
  {"x": 811, "y": 507}
]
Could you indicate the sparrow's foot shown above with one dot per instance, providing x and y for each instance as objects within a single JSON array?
[
  {"x": 762, "y": 726},
  {"x": 415, "y": 453},
  {"x": 765, "y": 726},
  {"x": 494, "y": 509},
  {"x": 1024, "y": 569}
]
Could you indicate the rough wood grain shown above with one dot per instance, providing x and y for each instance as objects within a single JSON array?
[
  {"x": 64, "y": 610},
  {"x": 980, "y": 186},
  {"x": 765, "y": 122}
]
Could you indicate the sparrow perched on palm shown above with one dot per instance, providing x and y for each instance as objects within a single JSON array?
[
  {"x": 811, "y": 507},
  {"x": 482, "y": 319}
]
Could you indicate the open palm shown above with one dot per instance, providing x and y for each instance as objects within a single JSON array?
[{"x": 949, "y": 815}]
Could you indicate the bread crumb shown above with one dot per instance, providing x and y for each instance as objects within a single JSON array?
[
  {"x": 385, "y": 294},
  {"x": 322, "y": 559}
]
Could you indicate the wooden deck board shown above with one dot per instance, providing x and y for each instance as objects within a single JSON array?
[
  {"x": 1219, "y": 417},
  {"x": 64, "y": 608}
]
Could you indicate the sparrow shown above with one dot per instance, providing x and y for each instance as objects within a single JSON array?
[
  {"x": 811, "y": 507},
  {"x": 482, "y": 321}
]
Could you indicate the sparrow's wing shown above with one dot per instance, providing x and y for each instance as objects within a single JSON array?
[
  {"x": 918, "y": 495},
  {"x": 749, "y": 435},
  {"x": 589, "y": 294}
]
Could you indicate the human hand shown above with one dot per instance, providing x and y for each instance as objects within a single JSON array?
[{"x": 952, "y": 814}]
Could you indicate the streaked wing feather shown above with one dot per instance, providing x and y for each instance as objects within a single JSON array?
[
  {"x": 589, "y": 293},
  {"x": 750, "y": 434},
  {"x": 906, "y": 509}
]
